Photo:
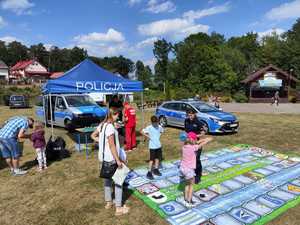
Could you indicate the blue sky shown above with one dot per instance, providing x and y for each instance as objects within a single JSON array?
[{"x": 129, "y": 27}]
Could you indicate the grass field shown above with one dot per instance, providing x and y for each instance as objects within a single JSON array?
[{"x": 70, "y": 192}]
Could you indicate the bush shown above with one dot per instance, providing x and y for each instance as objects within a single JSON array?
[
  {"x": 226, "y": 99},
  {"x": 240, "y": 97},
  {"x": 292, "y": 99}
]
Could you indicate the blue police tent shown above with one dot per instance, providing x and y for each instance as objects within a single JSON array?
[{"x": 88, "y": 77}]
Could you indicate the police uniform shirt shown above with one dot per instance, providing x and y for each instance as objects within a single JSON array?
[{"x": 193, "y": 126}]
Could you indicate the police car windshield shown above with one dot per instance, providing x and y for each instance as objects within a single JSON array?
[
  {"x": 17, "y": 98},
  {"x": 202, "y": 107},
  {"x": 79, "y": 100}
]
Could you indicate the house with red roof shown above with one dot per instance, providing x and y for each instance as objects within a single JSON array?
[
  {"x": 30, "y": 70},
  {"x": 3, "y": 71}
]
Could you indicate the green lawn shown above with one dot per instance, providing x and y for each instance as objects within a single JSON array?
[{"x": 70, "y": 192}]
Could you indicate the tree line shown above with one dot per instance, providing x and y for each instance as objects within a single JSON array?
[
  {"x": 203, "y": 63},
  {"x": 60, "y": 59}
]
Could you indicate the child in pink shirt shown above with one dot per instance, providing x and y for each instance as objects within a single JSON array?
[{"x": 188, "y": 162}]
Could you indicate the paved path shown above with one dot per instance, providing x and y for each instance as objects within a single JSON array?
[{"x": 261, "y": 108}]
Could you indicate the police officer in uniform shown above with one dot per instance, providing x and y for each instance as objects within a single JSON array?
[{"x": 192, "y": 124}]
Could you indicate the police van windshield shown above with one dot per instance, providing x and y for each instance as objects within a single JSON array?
[
  {"x": 202, "y": 107},
  {"x": 17, "y": 98},
  {"x": 80, "y": 100}
]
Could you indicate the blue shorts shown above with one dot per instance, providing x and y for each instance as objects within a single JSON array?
[{"x": 10, "y": 148}]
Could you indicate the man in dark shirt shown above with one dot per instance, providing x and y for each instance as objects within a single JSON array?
[
  {"x": 117, "y": 104},
  {"x": 192, "y": 124}
]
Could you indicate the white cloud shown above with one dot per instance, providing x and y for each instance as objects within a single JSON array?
[
  {"x": 287, "y": 10},
  {"x": 17, "y": 6},
  {"x": 2, "y": 22},
  {"x": 159, "y": 6},
  {"x": 48, "y": 46},
  {"x": 192, "y": 15},
  {"x": 102, "y": 44},
  {"x": 134, "y": 2},
  {"x": 147, "y": 42},
  {"x": 111, "y": 36},
  {"x": 181, "y": 27},
  {"x": 151, "y": 63},
  {"x": 9, "y": 39},
  {"x": 174, "y": 28},
  {"x": 270, "y": 32}
]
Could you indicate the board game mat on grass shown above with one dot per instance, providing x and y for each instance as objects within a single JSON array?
[{"x": 242, "y": 185}]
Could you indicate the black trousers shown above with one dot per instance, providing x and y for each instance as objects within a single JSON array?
[{"x": 198, "y": 170}]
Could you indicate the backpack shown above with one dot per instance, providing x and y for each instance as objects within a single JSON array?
[{"x": 56, "y": 149}]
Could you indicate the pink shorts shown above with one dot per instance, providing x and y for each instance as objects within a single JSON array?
[{"x": 188, "y": 173}]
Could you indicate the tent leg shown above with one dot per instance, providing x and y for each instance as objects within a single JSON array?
[
  {"x": 143, "y": 116},
  {"x": 51, "y": 116}
]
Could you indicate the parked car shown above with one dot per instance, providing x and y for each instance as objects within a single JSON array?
[
  {"x": 18, "y": 101},
  {"x": 70, "y": 110},
  {"x": 173, "y": 113}
]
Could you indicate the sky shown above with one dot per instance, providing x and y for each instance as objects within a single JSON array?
[{"x": 129, "y": 27}]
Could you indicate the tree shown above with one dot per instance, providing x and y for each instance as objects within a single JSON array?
[
  {"x": 143, "y": 73},
  {"x": 161, "y": 52},
  {"x": 16, "y": 52},
  {"x": 39, "y": 53}
]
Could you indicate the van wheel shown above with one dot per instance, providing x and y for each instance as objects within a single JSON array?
[
  {"x": 163, "y": 121},
  {"x": 68, "y": 125}
]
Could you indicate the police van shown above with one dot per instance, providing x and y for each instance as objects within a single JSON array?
[{"x": 70, "y": 111}]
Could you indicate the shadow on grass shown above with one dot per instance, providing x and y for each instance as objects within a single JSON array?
[{"x": 3, "y": 164}]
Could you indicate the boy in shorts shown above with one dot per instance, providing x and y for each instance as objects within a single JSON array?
[{"x": 153, "y": 133}]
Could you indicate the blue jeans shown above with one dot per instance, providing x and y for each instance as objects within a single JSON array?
[{"x": 10, "y": 148}]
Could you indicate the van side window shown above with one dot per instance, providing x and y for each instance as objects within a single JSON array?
[{"x": 60, "y": 104}]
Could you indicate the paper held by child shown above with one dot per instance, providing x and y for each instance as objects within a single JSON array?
[{"x": 120, "y": 175}]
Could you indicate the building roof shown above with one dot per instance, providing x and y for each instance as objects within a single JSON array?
[
  {"x": 3, "y": 65},
  {"x": 254, "y": 76},
  {"x": 21, "y": 65},
  {"x": 56, "y": 75}
]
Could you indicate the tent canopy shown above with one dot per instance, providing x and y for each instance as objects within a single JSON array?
[{"x": 88, "y": 77}]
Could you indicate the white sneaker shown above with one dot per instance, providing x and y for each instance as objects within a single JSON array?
[{"x": 19, "y": 172}]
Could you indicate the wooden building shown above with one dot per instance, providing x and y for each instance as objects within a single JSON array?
[
  {"x": 30, "y": 70},
  {"x": 262, "y": 84}
]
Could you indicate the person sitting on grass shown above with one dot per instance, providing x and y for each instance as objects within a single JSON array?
[
  {"x": 188, "y": 162},
  {"x": 153, "y": 133},
  {"x": 39, "y": 144}
]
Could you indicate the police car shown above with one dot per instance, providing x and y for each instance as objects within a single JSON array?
[{"x": 173, "y": 113}]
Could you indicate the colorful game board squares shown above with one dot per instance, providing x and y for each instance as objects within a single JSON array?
[
  {"x": 257, "y": 207},
  {"x": 205, "y": 195},
  {"x": 225, "y": 219},
  {"x": 264, "y": 172},
  {"x": 270, "y": 201},
  {"x": 235, "y": 162},
  {"x": 207, "y": 223},
  {"x": 147, "y": 189},
  {"x": 254, "y": 176},
  {"x": 138, "y": 181},
  {"x": 172, "y": 208},
  {"x": 168, "y": 172},
  {"x": 141, "y": 171},
  {"x": 285, "y": 164},
  {"x": 282, "y": 156},
  {"x": 158, "y": 197},
  {"x": 243, "y": 215},
  {"x": 232, "y": 184},
  {"x": 188, "y": 217},
  {"x": 274, "y": 159},
  {"x": 211, "y": 155},
  {"x": 175, "y": 179},
  {"x": 291, "y": 189},
  {"x": 296, "y": 182},
  {"x": 168, "y": 165},
  {"x": 243, "y": 179},
  {"x": 162, "y": 183},
  {"x": 273, "y": 168},
  {"x": 277, "y": 193},
  {"x": 196, "y": 200},
  {"x": 219, "y": 188},
  {"x": 131, "y": 175},
  {"x": 213, "y": 169},
  {"x": 243, "y": 159},
  {"x": 225, "y": 165}
]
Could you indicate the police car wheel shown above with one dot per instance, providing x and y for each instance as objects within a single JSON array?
[
  {"x": 68, "y": 125},
  {"x": 163, "y": 121},
  {"x": 205, "y": 127}
]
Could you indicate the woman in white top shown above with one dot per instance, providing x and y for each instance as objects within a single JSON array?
[{"x": 107, "y": 135}]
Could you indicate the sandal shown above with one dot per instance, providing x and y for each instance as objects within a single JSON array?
[
  {"x": 108, "y": 205},
  {"x": 122, "y": 210}
]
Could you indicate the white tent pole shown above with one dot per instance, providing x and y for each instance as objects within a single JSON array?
[
  {"x": 51, "y": 116},
  {"x": 142, "y": 99}
]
